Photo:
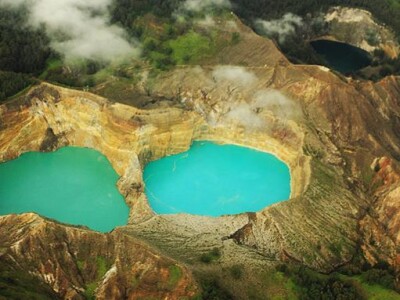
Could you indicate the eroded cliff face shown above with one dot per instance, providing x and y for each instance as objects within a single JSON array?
[
  {"x": 380, "y": 227},
  {"x": 329, "y": 130},
  {"x": 357, "y": 27},
  {"x": 78, "y": 263}
]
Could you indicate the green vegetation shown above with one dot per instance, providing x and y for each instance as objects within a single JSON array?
[
  {"x": 16, "y": 285},
  {"x": 316, "y": 286},
  {"x": 289, "y": 281},
  {"x": 381, "y": 66},
  {"x": 168, "y": 40},
  {"x": 52, "y": 64},
  {"x": 296, "y": 46},
  {"x": 381, "y": 277},
  {"x": 212, "y": 289},
  {"x": 235, "y": 38},
  {"x": 90, "y": 289},
  {"x": 374, "y": 283},
  {"x": 385, "y": 11},
  {"x": 101, "y": 269},
  {"x": 22, "y": 50},
  {"x": 11, "y": 83},
  {"x": 211, "y": 256},
  {"x": 277, "y": 285},
  {"x": 81, "y": 265},
  {"x": 77, "y": 74},
  {"x": 236, "y": 271},
  {"x": 190, "y": 47},
  {"x": 175, "y": 274},
  {"x": 373, "y": 291}
]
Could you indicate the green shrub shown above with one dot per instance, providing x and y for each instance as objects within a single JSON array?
[
  {"x": 235, "y": 38},
  {"x": 211, "y": 289},
  {"x": 175, "y": 274},
  {"x": 190, "y": 47},
  {"x": 379, "y": 276},
  {"x": 236, "y": 271},
  {"x": 210, "y": 256},
  {"x": 11, "y": 83}
]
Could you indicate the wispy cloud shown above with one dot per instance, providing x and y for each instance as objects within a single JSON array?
[
  {"x": 280, "y": 28},
  {"x": 78, "y": 29},
  {"x": 250, "y": 115},
  {"x": 276, "y": 102},
  {"x": 237, "y": 75},
  {"x": 200, "y": 5}
]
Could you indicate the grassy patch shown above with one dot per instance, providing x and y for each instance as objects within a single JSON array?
[
  {"x": 308, "y": 284},
  {"x": 212, "y": 289},
  {"x": 51, "y": 65},
  {"x": 210, "y": 256},
  {"x": 190, "y": 48},
  {"x": 395, "y": 4},
  {"x": 236, "y": 271},
  {"x": 373, "y": 291},
  {"x": 235, "y": 38},
  {"x": 376, "y": 292},
  {"x": 279, "y": 286},
  {"x": 175, "y": 274},
  {"x": 21, "y": 285},
  {"x": 102, "y": 267},
  {"x": 135, "y": 281},
  {"x": 81, "y": 265},
  {"x": 89, "y": 292}
]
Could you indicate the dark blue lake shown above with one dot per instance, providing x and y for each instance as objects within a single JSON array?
[{"x": 342, "y": 57}]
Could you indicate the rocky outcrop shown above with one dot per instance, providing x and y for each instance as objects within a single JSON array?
[
  {"x": 357, "y": 27},
  {"x": 380, "y": 227},
  {"x": 79, "y": 263}
]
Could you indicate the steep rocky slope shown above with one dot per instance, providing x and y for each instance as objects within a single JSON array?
[
  {"x": 329, "y": 130},
  {"x": 358, "y": 27},
  {"x": 78, "y": 263}
]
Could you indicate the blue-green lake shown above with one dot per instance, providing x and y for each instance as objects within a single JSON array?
[
  {"x": 215, "y": 180},
  {"x": 72, "y": 185}
]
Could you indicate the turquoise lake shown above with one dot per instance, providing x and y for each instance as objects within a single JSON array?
[
  {"x": 215, "y": 180},
  {"x": 72, "y": 185}
]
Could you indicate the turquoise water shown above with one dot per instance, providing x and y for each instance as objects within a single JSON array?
[
  {"x": 72, "y": 185},
  {"x": 215, "y": 180}
]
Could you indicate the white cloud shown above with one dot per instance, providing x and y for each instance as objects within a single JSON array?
[
  {"x": 282, "y": 27},
  {"x": 199, "y": 5},
  {"x": 234, "y": 74},
  {"x": 250, "y": 114},
  {"x": 78, "y": 29},
  {"x": 245, "y": 115},
  {"x": 207, "y": 21},
  {"x": 276, "y": 102}
]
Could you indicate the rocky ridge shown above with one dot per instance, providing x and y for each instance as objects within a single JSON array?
[
  {"x": 357, "y": 27},
  {"x": 79, "y": 263},
  {"x": 328, "y": 129}
]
